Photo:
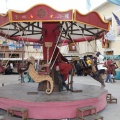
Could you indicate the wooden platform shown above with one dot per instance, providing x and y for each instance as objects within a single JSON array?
[{"x": 58, "y": 105}]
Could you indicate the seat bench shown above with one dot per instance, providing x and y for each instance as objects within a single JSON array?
[
  {"x": 111, "y": 99},
  {"x": 82, "y": 110},
  {"x": 23, "y": 111},
  {"x": 92, "y": 113}
]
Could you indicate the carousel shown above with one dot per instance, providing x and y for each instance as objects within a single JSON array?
[{"x": 45, "y": 97}]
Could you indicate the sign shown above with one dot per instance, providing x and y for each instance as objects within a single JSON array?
[
  {"x": 36, "y": 45},
  {"x": 4, "y": 43},
  {"x": 12, "y": 46}
]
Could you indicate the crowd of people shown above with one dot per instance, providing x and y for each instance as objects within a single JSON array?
[
  {"x": 93, "y": 65},
  {"x": 8, "y": 69},
  {"x": 97, "y": 67}
]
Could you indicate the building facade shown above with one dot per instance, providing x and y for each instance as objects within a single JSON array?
[{"x": 106, "y": 11}]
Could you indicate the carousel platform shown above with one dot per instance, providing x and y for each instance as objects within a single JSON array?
[{"x": 57, "y": 105}]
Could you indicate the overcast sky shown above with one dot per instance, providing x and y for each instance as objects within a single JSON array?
[{"x": 60, "y": 5}]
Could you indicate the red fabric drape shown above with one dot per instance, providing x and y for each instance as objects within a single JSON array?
[
  {"x": 1, "y": 68},
  {"x": 64, "y": 69},
  {"x": 57, "y": 57},
  {"x": 50, "y": 36}
]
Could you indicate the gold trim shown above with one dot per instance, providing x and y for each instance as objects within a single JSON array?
[
  {"x": 10, "y": 15},
  {"x": 42, "y": 21},
  {"x": 4, "y": 24},
  {"x": 3, "y": 15}
]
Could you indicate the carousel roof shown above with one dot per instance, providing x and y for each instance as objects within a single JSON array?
[{"x": 27, "y": 25}]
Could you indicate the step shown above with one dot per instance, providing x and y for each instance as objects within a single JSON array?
[
  {"x": 112, "y": 100},
  {"x": 93, "y": 117}
]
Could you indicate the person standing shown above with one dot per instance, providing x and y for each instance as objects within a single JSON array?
[
  {"x": 101, "y": 69},
  {"x": 110, "y": 69},
  {"x": 11, "y": 68},
  {"x": 78, "y": 68}
]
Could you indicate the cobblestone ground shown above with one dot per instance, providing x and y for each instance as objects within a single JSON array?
[{"x": 111, "y": 112}]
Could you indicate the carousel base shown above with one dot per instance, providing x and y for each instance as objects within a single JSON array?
[{"x": 58, "y": 105}]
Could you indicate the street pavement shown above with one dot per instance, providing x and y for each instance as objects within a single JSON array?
[{"x": 111, "y": 112}]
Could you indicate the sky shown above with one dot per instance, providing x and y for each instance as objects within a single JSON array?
[{"x": 60, "y": 5}]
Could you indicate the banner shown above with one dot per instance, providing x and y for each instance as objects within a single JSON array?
[
  {"x": 105, "y": 42},
  {"x": 12, "y": 46},
  {"x": 110, "y": 35},
  {"x": 19, "y": 44}
]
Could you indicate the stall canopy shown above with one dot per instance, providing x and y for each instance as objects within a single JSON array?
[
  {"x": 29, "y": 25},
  {"x": 112, "y": 57}
]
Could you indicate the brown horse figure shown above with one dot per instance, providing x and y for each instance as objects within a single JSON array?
[{"x": 95, "y": 73}]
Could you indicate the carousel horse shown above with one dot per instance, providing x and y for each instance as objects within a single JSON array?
[
  {"x": 86, "y": 70},
  {"x": 95, "y": 73},
  {"x": 40, "y": 78}
]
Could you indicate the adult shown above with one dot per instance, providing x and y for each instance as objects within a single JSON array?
[
  {"x": 78, "y": 69},
  {"x": 100, "y": 64},
  {"x": 111, "y": 66},
  {"x": 63, "y": 68},
  {"x": 101, "y": 69},
  {"x": 11, "y": 68}
]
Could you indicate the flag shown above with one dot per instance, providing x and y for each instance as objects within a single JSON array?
[
  {"x": 105, "y": 42},
  {"x": 110, "y": 35},
  {"x": 88, "y": 5},
  {"x": 116, "y": 2},
  {"x": 117, "y": 19}
]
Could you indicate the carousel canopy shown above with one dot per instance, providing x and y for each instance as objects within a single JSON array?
[{"x": 28, "y": 25}]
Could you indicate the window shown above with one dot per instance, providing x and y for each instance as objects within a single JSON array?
[
  {"x": 111, "y": 52},
  {"x": 72, "y": 47},
  {"x": 2, "y": 55},
  {"x": 14, "y": 55}
]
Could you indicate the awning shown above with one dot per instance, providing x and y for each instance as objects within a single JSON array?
[
  {"x": 20, "y": 59},
  {"x": 11, "y": 59},
  {"x": 112, "y": 57}
]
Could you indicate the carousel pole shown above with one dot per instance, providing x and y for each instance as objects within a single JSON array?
[
  {"x": 22, "y": 75},
  {"x": 48, "y": 45}
]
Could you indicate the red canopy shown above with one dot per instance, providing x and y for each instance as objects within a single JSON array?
[{"x": 28, "y": 26}]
